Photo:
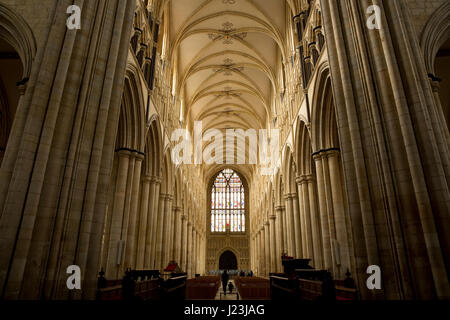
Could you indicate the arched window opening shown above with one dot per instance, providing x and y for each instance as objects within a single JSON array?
[{"x": 228, "y": 203}]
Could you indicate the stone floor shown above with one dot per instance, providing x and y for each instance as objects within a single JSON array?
[{"x": 228, "y": 296}]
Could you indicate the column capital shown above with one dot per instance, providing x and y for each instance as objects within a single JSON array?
[
  {"x": 302, "y": 14},
  {"x": 326, "y": 153},
  {"x": 266, "y": 224},
  {"x": 155, "y": 180},
  {"x": 279, "y": 208},
  {"x": 124, "y": 153},
  {"x": 22, "y": 88},
  {"x": 272, "y": 217},
  {"x": 290, "y": 196},
  {"x": 332, "y": 153},
  {"x": 435, "y": 84},
  {"x": 305, "y": 178},
  {"x": 300, "y": 179},
  {"x": 166, "y": 196},
  {"x": 317, "y": 29},
  {"x": 146, "y": 179},
  {"x": 139, "y": 156}
]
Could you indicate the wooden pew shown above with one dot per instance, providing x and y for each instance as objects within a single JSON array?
[
  {"x": 346, "y": 294},
  {"x": 346, "y": 289},
  {"x": 252, "y": 288},
  {"x": 283, "y": 288},
  {"x": 110, "y": 293},
  {"x": 141, "y": 285},
  {"x": 174, "y": 288},
  {"x": 202, "y": 288},
  {"x": 313, "y": 290},
  {"x": 312, "y": 285},
  {"x": 108, "y": 289},
  {"x": 302, "y": 284}
]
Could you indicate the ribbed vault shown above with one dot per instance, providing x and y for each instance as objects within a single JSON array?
[{"x": 225, "y": 55}]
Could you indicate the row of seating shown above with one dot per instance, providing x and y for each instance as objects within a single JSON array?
[
  {"x": 309, "y": 284},
  {"x": 202, "y": 288},
  {"x": 141, "y": 285},
  {"x": 253, "y": 288},
  {"x": 283, "y": 287}
]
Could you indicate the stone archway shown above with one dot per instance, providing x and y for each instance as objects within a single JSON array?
[{"x": 228, "y": 261}]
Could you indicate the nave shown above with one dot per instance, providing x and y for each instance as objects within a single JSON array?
[{"x": 166, "y": 141}]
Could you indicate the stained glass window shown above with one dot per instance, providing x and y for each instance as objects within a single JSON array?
[{"x": 228, "y": 203}]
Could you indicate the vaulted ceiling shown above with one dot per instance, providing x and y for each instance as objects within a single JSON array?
[{"x": 227, "y": 53}]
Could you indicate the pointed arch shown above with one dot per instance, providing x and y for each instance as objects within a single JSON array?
[
  {"x": 323, "y": 118},
  {"x": 153, "y": 148},
  {"x": 435, "y": 33},
  {"x": 15, "y": 31}
]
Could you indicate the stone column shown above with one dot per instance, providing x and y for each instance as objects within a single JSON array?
[
  {"x": 152, "y": 223},
  {"x": 323, "y": 213},
  {"x": 189, "y": 249},
  {"x": 302, "y": 183},
  {"x": 199, "y": 238},
  {"x": 262, "y": 251},
  {"x": 184, "y": 243},
  {"x": 167, "y": 230},
  {"x": 315, "y": 222},
  {"x": 290, "y": 225},
  {"x": 257, "y": 254},
  {"x": 335, "y": 256},
  {"x": 279, "y": 237},
  {"x": 337, "y": 188},
  {"x": 252, "y": 252},
  {"x": 178, "y": 234},
  {"x": 63, "y": 155},
  {"x": 130, "y": 252},
  {"x": 172, "y": 233},
  {"x": 273, "y": 244},
  {"x": 285, "y": 229},
  {"x": 115, "y": 234},
  {"x": 298, "y": 235},
  {"x": 198, "y": 251},
  {"x": 144, "y": 216},
  {"x": 267, "y": 248},
  {"x": 127, "y": 213},
  {"x": 195, "y": 251},
  {"x": 302, "y": 207},
  {"x": 160, "y": 232}
]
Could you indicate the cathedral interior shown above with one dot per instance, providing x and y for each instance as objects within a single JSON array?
[{"x": 116, "y": 155}]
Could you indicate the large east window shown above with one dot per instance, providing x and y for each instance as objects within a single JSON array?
[{"x": 227, "y": 203}]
